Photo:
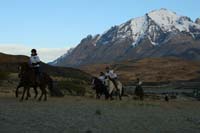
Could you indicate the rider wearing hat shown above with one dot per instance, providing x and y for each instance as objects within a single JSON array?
[
  {"x": 113, "y": 76},
  {"x": 102, "y": 77},
  {"x": 35, "y": 63}
]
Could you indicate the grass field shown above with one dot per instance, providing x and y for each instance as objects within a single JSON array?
[{"x": 86, "y": 115}]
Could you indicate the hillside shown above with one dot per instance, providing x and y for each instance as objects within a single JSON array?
[
  {"x": 9, "y": 63},
  {"x": 151, "y": 70},
  {"x": 69, "y": 81}
]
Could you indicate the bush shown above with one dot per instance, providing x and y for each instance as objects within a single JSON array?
[
  {"x": 4, "y": 75},
  {"x": 73, "y": 87}
]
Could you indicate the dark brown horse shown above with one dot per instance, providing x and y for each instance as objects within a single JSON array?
[
  {"x": 28, "y": 80},
  {"x": 100, "y": 88}
]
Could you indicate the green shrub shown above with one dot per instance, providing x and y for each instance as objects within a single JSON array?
[
  {"x": 4, "y": 75},
  {"x": 73, "y": 87}
]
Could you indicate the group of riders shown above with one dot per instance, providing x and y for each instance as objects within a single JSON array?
[
  {"x": 109, "y": 73},
  {"x": 35, "y": 64},
  {"x": 108, "y": 79}
]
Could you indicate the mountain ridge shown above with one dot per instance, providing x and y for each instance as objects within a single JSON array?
[{"x": 137, "y": 38}]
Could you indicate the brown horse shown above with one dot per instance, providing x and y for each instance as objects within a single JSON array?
[{"x": 28, "y": 80}]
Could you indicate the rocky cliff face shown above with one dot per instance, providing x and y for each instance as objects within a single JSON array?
[{"x": 156, "y": 34}]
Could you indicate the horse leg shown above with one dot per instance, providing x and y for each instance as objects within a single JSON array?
[
  {"x": 17, "y": 89},
  {"x": 111, "y": 98},
  {"x": 120, "y": 94},
  {"x": 27, "y": 93},
  {"x": 106, "y": 96},
  {"x": 106, "y": 93},
  {"x": 97, "y": 93},
  {"x": 111, "y": 93},
  {"x": 97, "y": 96},
  {"x": 40, "y": 98},
  {"x": 22, "y": 98},
  {"x": 36, "y": 92},
  {"x": 45, "y": 94}
]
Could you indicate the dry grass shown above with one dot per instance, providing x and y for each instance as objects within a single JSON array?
[
  {"x": 151, "y": 70},
  {"x": 81, "y": 114}
]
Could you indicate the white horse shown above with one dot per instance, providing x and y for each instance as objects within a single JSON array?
[{"x": 111, "y": 87}]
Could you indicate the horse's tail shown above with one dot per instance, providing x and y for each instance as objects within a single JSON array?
[{"x": 54, "y": 92}]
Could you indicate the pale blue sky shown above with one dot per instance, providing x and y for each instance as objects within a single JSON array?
[{"x": 63, "y": 23}]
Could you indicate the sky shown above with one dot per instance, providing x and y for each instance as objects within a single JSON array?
[{"x": 53, "y": 26}]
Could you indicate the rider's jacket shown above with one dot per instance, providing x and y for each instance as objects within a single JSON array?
[
  {"x": 35, "y": 61},
  {"x": 102, "y": 78},
  {"x": 111, "y": 74}
]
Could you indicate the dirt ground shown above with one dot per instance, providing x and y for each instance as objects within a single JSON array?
[{"x": 88, "y": 115}]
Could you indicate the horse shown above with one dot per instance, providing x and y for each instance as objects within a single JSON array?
[
  {"x": 111, "y": 88},
  {"x": 99, "y": 87},
  {"x": 28, "y": 80}
]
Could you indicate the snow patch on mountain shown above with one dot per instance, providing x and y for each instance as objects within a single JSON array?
[
  {"x": 165, "y": 21},
  {"x": 170, "y": 21}
]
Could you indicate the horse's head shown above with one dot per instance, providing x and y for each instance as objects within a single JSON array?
[{"x": 22, "y": 68}]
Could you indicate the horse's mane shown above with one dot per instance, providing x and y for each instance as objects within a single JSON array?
[
  {"x": 96, "y": 78},
  {"x": 25, "y": 65}
]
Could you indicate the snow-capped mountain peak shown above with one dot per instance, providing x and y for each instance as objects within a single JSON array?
[
  {"x": 164, "y": 17},
  {"x": 170, "y": 21},
  {"x": 152, "y": 25},
  {"x": 145, "y": 33}
]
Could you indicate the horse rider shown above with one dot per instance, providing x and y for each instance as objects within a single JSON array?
[
  {"x": 102, "y": 77},
  {"x": 138, "y": 82},
  {"x": 35, "y": 63},
  {"x": 113, "y": 76}
]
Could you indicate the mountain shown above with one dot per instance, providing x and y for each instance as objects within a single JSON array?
[
  {"x": 197, "y": 21},
  {"x": 61, "y": 58},
  {"x": 159, "y": 33}
]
